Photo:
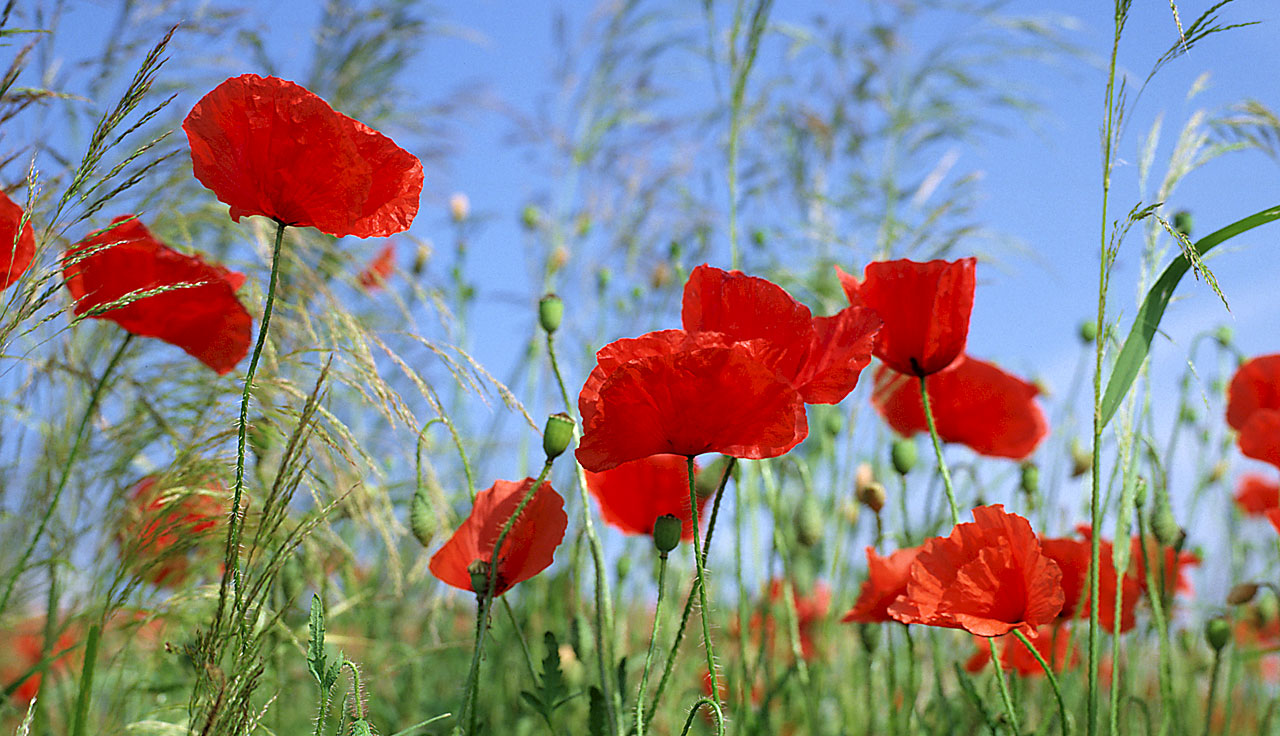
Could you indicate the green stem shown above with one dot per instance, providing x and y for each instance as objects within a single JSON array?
[
  {"x": 653, "y": 638},
  {"x": 1048, "y": 672},
  {"x": 231, "y": 556},
  {"x": 937, "y": 451},
  {"x": 86, "y": 679},
  {"x": 715, "y": 711},
  {"x": 1213, "y": 691},
  {"x": 1004, "y": 687},
  {"x": 700, "y": 565},
  {"x": 94, "y": 397},
  {"x": 355, "y": 686}
]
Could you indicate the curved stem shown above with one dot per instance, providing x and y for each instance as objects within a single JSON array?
[
  {"x": 715, "y": 711},
  {"x": 702, "y": 586},
  {"x": 94, "y": 397},
  {"x": 1048, "y": 672},
  {"x": 235, "y": 526},
  {"x": 457, "y": 442},
  {"x": 937, "y": 451},
  {"x": 653, "y": 638},
  {"x": 1004, "y": 687}
]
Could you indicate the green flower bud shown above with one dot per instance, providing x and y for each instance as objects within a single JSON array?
[
  {"x": 904, "y": 456},
  {"x": 622, "y": 568},
  {"x": 1182, "y": 222},
  {"x": 603, "y": 277},
  {"x": 557, "y": 434},
  {"x": 1088, "y": 331},
  {"x": 666, "y": 534},
  {"x": 1241, "y": 594},
  {"x": 1163, "y": 525},
  {"x": 808, "y": 522},
  {"x": 1224, "y": 335},
  {"x": 1030, "y": 482},
  {"x": 550, "y": 313},
  {"x": 758, "y": 238},
  {"x": 1186, "y": 414},
  {"x": 530, "y": 217},
  {"x": 422, "y": 521},
  {"x": 833, "y": 422},
  {"x": 1218, "y": 633}
]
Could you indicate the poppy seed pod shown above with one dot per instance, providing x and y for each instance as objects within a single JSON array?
[
  {"x": 557, "y": 434},
  {"x": 904, "y": 456},
  {"x": 666, "y": 533},
  {"x": 1218, "y": 633},
  {"x": 872, "y": 496},
  {"x": 550, "y": 313},
  {"x": 479, "y": 572},
  {"x": 1088, "y": 331},
  {"x": 1241, "y": 594}
]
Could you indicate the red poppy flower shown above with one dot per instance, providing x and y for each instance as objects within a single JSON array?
[
  {"x": 528, "y": 548},
  {"x": 17, "y": 249},
  {"x": 1053, "y": 642},
  {"x": 1260, "y": 436},
  {"x": 1256, "y": 495},
  {"x": 157, "y": 529},
  {"x": 22, "y": 648},
  {"x": 811, "y": 609},
  {"x": 685, "y": 394},
  {"x": 1253, "y": 408},
  {"x": 266, "y": 146},
  {"x": 1175, "y": 564},
  {"x": 989, "y": 578},
  {"x": 974, "y": 403},
  {"x": 1072, "y": 557},
  {"x": 205, "y": 319},
  {"x": 822, "y": 356},
  {"x": 1273, "y": 516},
  {"x": 379, "y": 269},
  {"x": 925, "y": 308},
  {"x": 887, "y": 578},
  {"x": 633, "y": 495}
]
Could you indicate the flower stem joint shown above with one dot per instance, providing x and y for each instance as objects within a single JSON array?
[{"x": 556, "y": 435}]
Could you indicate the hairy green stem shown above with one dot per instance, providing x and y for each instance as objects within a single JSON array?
[
  {"x": 94, "y": 397},
  {"x": 1213, "y": 691},
  {"x": 1004, "y": 687},
  {"x": 700, "y": 566},
  {"x": 937, "y": 451},
  {"x": 653, "y": 638},
  {"x": 1048, "y": 673}
]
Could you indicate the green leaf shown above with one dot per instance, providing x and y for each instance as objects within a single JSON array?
[
  {"x": 597, "y": 714},
  {"x": 552, "y": 688},
  {"x": 315, "y": 647},
  {"x": 1145, "y": 324}
]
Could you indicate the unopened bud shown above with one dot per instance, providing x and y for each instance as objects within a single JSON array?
[
  {"x": 1182, "y": 222},
  {"x": 1217, "y": 472},
  {"x": 1241, "y": 594},
  {"x": 1224, "y": 335},
  {"x": 559, "y": 257},
  {"x": 1088, "y": 331},
  {"x": 603, "y": 277},
  {"x": 459, "y": 207},
  {"x": 530, "y": 217},
  {"x": 1218, "y": 633},
  {"x": 808, "y": 522},
  {"x": 1030, "y": 482},
  {"x": 557, "y": 434},
  {"x": 660, "y": 276},
  {"x": 833, "y": 422},
  {"x": 422, "y": 522},
  {"x": 904, "y": 456},
  {"x": 872, "y": 496},
  {"x": 1163, "y": 525},
  {"x": 1081, "y": 459},
  {"x": 1186, "y": 414},
  {"x": 550, "y": 313},
  {"x": 666, "y": 533},
  {"x": 479, "y": 572}
]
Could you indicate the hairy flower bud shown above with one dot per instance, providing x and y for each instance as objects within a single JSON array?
[{"x": 666, "y": 534}]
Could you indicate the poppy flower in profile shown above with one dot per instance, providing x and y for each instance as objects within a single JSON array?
[
  {"x": 1253, "y": 408},
  {"x": 685, "y": 394},
  {"x": 1256, "y": 495},
  {"x": 528, "y": 548},
  {"x": 1054, "y": 643},
  {"x": 988, "y": 578},
  {"x": 887, "y": 578},
  {"x": 21, "y": 649},
  {"x": 200, "y": 312},
  {"x": 267, "y": 146},
  {"x": 17, "y": 249},
  {"x": 633, "y": 495},
  {"x": 925, "y": 308},
  {"x": 375, "y": 275},
  {"x": 1072, "y": 557},
  {"x": 158, "y": 528},
  {"x": 974, "y": 403},
  {"x": 822, "y": 356}
]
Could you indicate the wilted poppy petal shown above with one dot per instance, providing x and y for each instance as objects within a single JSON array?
[
  {"x": 671, "y": 392},
  {"x": 1260, "y": 436},
  {"x": 528, "y": 548},
  {"x": 200, "y": 312},
  {"x": 266, "y": 146},
  {"x": 887, "y": 578},
  {"x": 974, "y": 403},
  {"x": 633, "y": 495},
  {"x": 1256, "y": 495},
  {"x": 17, "y": 249},
  {"x": 823, "y": 356},
  {"x": 925, "y": 308}
]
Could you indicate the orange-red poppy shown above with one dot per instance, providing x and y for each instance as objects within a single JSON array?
[
  {"x": 811, "y": 608},
  {"x": 1253, "y": 408},
  {"x": 1255, "y": 494},
  {"x": 685, "y": 394},
  {"x": 925, "y": 308},
  {"x": 21, "y": 649},
  {"x": 17, "y": 249},
  {"x": 199, "y": 312},
  {"x": 822, "y": 356},
  {"x": 887, "y": 578},
  {"x": 973, "y": 402},
  {"x": 375, "y": 275},
  {"x": 988, "y": 577},
  {"x": 528, "y": 549},
  {"x": 267, "y": 146},
  {"x": 157, "y": 530},
  {"x": 1054, "y": 643},
  {"x": 1072, "y": 556},
  {"x": 633, "y": 495}
]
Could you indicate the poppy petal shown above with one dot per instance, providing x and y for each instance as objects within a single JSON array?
[
  {"x": 1260, "y": 436},
  {"x": 17, "y": 249},
  {"x": 634, "y": 494}
]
